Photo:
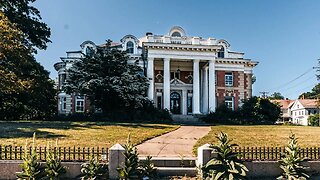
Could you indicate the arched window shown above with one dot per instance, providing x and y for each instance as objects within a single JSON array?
[
  {"x": 176, "y": 34},
  {"x": 221, "y": 53},
  {"x": 130, "y": 47}
]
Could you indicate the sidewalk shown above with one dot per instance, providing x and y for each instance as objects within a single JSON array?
[{"x": 178, "y": 143}]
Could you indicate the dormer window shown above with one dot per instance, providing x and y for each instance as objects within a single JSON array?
[
  {"x": 176, "y": 34},
  {"x": 221, "y": 53},
  {"x": 89, "y": 51},
  {"x": 130, "y": 47}
]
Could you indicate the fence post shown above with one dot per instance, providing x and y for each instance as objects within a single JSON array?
[
  {"x": 116, "y": 158},
  {"x": 204, "y": 155}
]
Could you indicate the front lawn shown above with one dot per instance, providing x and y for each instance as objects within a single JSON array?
[
  {"x": 264, "y": 135},
  {"x": 82, "y": 134}
]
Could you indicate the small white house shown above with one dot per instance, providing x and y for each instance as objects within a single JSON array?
[
  {"x": 285, "y": 108},
  {"x": 301, "y": 109}
]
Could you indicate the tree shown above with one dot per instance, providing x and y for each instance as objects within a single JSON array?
[
  {"x": 26, "y": 89},
  {"x": 313, "y": 120},
  {"x": 260, "y": 110},
  {"x": 276, "y": 95},
  {"x": 313, "y": 94},
  {"x": 27, "y": 19},
  {"x": 109, "y": 81}
]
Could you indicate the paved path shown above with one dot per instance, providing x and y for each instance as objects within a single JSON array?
[{"x": 177, "y": 143}]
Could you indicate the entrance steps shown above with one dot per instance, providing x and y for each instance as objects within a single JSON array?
[
  {"x": 173, "y": 166},
  {"x": 188, "y": 119}
]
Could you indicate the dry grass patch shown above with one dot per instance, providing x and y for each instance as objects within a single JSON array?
[
  {"x": 264, "y": 135},
  {"x": 82, "y": 134}
]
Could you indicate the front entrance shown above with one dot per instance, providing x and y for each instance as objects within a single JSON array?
[{"x": 175, "y": 103}]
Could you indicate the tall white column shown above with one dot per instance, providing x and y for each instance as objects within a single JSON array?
[
  {"x": 205, "y": 90},
  {"x": 212, "y": 86},
  {"x": 166, "y": 83},
  {"x": 196, "y": 87},
  {"x": 150, "y": 74},
  {"x": 184, "y": 102}
]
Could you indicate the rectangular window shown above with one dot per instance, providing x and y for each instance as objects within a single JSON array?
[
  {"x": 228, "y": 79},
  {"x": 79, "y": 103},
  {"x": 229, "y": 102},
  {"x": 177, "y": 75},
  {"x": 80, "y": 106},
  {"x": 189, "y": 104},
  {"x": 159, "y": 102},
  {"x": 63, "y": 102},
  {"x": 171, "y": 75}
]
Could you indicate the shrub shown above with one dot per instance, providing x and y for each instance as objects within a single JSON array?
[
  {"x": 53, "y": 167},
  {"x": 253, "y": 111},
  {"x": 147, "y": 113},
  {"x": 313, "y": 120},
  {"x": 130, "y": 167},
  {"x": 31, "y": 167},
  {"x": 291, "y": 163},
  {"x": 94, "y": 170},
  {"x": 222, "y": 115},
  {"x": 227, "y": 165},
  {"x": 148, "y": 169}
]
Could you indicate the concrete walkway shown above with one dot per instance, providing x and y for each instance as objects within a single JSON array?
[{"x": 177, "y": 143}]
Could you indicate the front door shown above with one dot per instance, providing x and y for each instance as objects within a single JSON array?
[{"x": 175, "y": 103}]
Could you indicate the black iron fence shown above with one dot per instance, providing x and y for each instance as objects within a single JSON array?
[
  {"x": 274, "y": 153},
  {"x": 64, "y": 153}
]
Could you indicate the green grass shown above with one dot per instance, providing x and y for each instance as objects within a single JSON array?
[
  {"x": 264, "y": 135},
  {"x": 82, "y": 134}
]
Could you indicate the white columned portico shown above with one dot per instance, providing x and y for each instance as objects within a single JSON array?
[
  {"x": 212, "y": 88},
  {"x": 205, "y": 102},
  {"x": 184, "y": 102},
  {"x": 196, "y": 87},
  {"x": 150, "y": 74},
  {"x": 166, "y": 83}
]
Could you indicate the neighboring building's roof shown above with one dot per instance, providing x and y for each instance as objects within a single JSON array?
[
  {"x": 308, "y": 103},
  {"x": 285, "y": 104}
]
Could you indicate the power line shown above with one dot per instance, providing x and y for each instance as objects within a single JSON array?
[
  {"x": 304, "y": 88},
  {"x": 287, "y": 83},
  {"x": 299, "y": 83}
]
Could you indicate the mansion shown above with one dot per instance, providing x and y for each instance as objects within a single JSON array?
[{"x": 187, "y": 74}]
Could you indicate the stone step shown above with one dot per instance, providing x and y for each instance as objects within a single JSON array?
[
  {"x": 177, "y": 171},
  {"x": 187, "y": 119},
  {"x": 172, "y": 161}
]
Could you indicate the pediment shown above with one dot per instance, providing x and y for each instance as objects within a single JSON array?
[{"x": 177, "y": 82}]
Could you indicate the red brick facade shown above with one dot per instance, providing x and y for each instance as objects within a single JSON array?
[{"x": 223, "y": 91}]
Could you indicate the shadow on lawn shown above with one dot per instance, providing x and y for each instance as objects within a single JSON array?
[
  {"x": 138, "y": 125},
  {"x": 25, "y": 129}
]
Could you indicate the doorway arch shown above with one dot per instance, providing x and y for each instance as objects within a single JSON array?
[{"x": 175, "y": 103}]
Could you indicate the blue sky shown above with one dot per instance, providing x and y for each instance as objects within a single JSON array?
[{"x": 283, "y": 35}]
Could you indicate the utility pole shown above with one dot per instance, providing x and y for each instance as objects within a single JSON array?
[
  {"x": 264, "y": 94},
  {"x": 318, "y": 69},
  {"x": 318, "y": 77}
]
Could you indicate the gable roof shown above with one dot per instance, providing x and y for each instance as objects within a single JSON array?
[
  {"x": 308, "y": 103},
  {"x": 285, "y": 104}
]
